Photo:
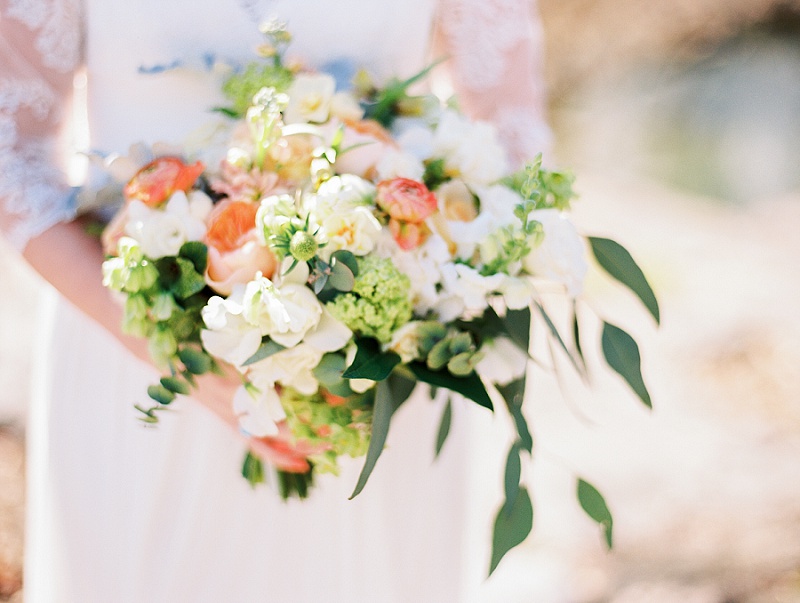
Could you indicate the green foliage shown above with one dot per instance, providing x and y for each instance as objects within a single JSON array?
[
  {"x": 593, "y": 503},
  {"x": 386, "y": 104},
  {"x": 546, "y": 189},
  {"x": 469, "y": 386},
  {"x": 511, "y": 526},
  {"x": 294, "y": 485},
  {"x": 435, "y": 173},
  {"x": 622, "y": 355},
  {"x": 444, "y": 426},
  {"x": 618, "y": 262},
  {"x": 370, "y": 362},
  {"x": 253, "y": 469}
]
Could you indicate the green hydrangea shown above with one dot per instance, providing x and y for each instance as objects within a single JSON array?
[
  {"x": 342, "y": 427},
  {"x": 379, "y": 302}
]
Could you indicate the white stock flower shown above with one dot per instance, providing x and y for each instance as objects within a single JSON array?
[
  {"x": 561, "y": 255},
  {"x": 399, "y": 164},
  {"x": 502, "y": 361},
  {"x": 162, "y": 232},
  {"x": 472, "y": 149},
  {"x": 258, "y": 411},
  {"x": 310, "y": 97}
]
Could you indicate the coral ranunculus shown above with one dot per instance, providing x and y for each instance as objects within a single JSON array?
[
  {"x": 234, "y": 252},
  {"x": 405, "y": 200},
  {"x": 155, "y": 182}
]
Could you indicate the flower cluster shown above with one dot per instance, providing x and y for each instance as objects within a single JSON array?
[{"x": 348, "y": 244}]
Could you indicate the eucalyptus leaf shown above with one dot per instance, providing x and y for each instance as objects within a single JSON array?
[
  {"x": 554, "y": 332},
  {"x": 347, "y": 258},
  {"x": 341, "y": 277},
  {"x": 618, "y": 262},
  {"x": 470, "y": 386},
  {"x": 265, "y": 350},
  {"x": 195, "y": 361},
  {"x": 593, "y": 503},
  {"x": 622, "y": 355},
  {"x": 329, "y": 374},
  {"x": 175, "y": 385},
  {"x": 512, "y": 476},
  {"x": 385, "y": 406},
  {"x": 513, "y": 393},
  {"x": 370, "y": 362},
  {"x": 511, "y": 526},
  {"x": 160, "y": 394},
  {"x": 444, "y": 426}
]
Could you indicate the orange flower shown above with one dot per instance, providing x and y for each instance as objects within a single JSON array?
[
  {"x": 234, "y": 252},
  {"x": 408, "y": 235},
  {"x": 405, "y": 200},
  {"x": 155, "y": 182}
]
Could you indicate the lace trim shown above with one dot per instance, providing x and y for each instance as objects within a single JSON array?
[
  {"x": 57, "y": 22},
  {"x": 481, "y": 34}
]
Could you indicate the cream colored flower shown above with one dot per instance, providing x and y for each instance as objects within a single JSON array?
[{"x": 309, "y": 98}]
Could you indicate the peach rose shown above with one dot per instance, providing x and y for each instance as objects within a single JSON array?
[
  {"x": 154, "y": 183},
  {"x": 234, "y": 252}
]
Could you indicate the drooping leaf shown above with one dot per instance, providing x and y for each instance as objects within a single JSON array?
[
  {"x": 470, "y": 386},
  {"x": 622, "y": 355},
  {"x": 513, "y": 473},
  {"x": 576, "y": 335},
  {"x": 511, "y": 526},
  {"x": 195, "y": 361},
  {"x": 513, "y": 393},
  {"x": 370, "y": 362},
  {"x": 160, "y": 394},
  {"x": 593, "y": 503},
  {"x": 385, "y": 406},
  {"x": 557, "y": 336},
  {"x": 253, "y": 469},
  {"x": 265, "y": 350},
  {"x": 618, "y": 262},
  {"x": 444, "y": 426},
  {"x": 518, "y": 325}
]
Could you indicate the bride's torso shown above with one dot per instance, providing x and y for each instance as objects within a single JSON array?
[{"x": 128, "y": 43}]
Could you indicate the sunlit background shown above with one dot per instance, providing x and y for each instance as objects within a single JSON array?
[{"x": 681, "y": 119}]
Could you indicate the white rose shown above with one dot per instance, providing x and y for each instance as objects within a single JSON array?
[
  {"x": 309, "y": 98},
  {"x": 502, "y": 361},
  {"x": 162, "y": 232},
  {"x": 291, "y": 367},
  {"x": 356, "y": 230},
  {"x": 561, "y": 256}
]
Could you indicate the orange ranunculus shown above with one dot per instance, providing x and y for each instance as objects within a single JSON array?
[
  {"x": 155, "y": 182},
  {"x": 234, "y": 252},
  {"x": 408, "y": 235},
  {"x": 405, "y": 200}
]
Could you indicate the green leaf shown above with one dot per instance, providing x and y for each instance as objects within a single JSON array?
[
  {"x": 518, "y": 327},
  {"x": 401, "y": 387},
  {"x": 385, "y": 406},
  {"x": 470, "y": 386},
  {"x": 195, "y": 361},
  {"x": 444, "y": 426},
  {"x": 622, "y": 355},
  {"x": 370, "y": 362},
  {"x": 329, "y": 374},
  {"x": 616, "y": 260},
  {"x": 554, "y": 332},
  {"x": 347, "y": 258},
  {"x": 189, "y": 281},
  {"x": 576, "y": 335},
  {"x": 175, "y": 385},
  {"x": 513, "y": 393},
  {"x": 341, "y": 277},
  {"x": 197, "y": 253},
  {"x": 160, "y": 394},
  {"x": 265, "y": 350},
  {"x": 593, "y": 503},
  {"x": 513, "y": 473},
  {"x": 511, "y": 526},
  {"x": 253, "y": 469}
]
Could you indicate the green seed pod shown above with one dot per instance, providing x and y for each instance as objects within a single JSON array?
[{"x": 303, "y": 246}]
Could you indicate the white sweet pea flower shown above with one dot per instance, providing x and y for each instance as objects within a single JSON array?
[
  {"x": 162, "y": 232},
  {"x": 560, "y": 256},
  {"x": 228, "y": 335},
  {"x": 502, "y": 361},
  {"x": 399, "y": 164},
  {"x": 310, "y": 97},
  {"x": 258, "y": 410}
]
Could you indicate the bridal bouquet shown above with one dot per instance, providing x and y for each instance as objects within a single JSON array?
[{"x": 345, "y": 246}]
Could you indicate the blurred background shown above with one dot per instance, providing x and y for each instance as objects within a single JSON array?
[{"x": 680, "y": 118}]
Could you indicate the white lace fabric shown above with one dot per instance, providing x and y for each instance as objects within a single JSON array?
[
  {"x": 496, "y": 65},
  {"x": 40, "y": 47}
]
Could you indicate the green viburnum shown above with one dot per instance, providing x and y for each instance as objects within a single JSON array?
[
  {"x": 379, "y": 302},
  {"x": 340, "y": 426}
]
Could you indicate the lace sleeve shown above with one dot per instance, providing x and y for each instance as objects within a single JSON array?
[
  {"x": 40, "y": 47},
  {"x": 495, "y": 52}
]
